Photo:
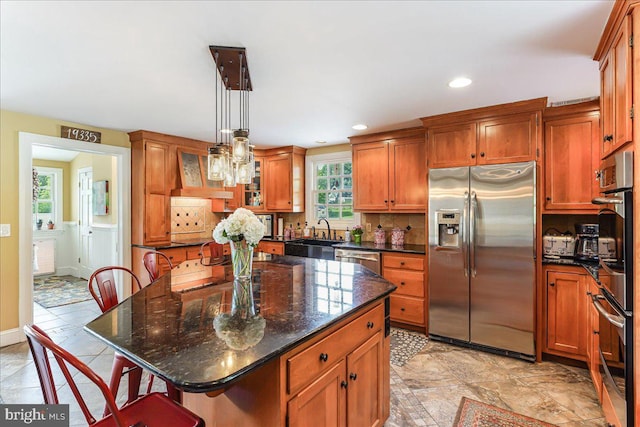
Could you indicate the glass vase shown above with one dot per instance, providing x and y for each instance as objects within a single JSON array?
[
  {"x": 357, "y": 239},
  {"x": 242, "y": 304}
]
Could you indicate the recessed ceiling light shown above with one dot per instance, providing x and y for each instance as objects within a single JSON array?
[
  {"x": 460, "y": 82},
  {"x": 321, "y": 142},
  {"x": 359, "y": 127}
]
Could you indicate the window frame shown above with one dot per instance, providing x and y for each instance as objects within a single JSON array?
[
  {"x": 56, "y": 188},
  {"x": 310, "y": 177}
]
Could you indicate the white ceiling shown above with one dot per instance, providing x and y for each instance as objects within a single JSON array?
[
  {"x": 50, "y": 153},
  {"x": 317, "y": 68}
]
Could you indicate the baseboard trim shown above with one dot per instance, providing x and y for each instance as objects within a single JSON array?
[
  {"x": 67, "y": 271},
  {"x": 11, "y": 336}
]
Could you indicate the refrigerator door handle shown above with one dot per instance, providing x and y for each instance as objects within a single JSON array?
[
  {"x": 472, "y": 232},
  {"x": 465, "y": 240}
]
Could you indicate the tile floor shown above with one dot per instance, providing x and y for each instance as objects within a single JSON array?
[{"x": 425, "y": 391}]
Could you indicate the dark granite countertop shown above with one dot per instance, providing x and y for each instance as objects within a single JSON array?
[
  {"x": 591, "y": 267},
  {"x": 167, "y": 327},
  {"x": 177, "y": 244},
  {"x": 370, "y": 246}
]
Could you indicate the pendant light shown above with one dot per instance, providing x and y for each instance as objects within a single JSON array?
[{"x": 231, "y": 160}]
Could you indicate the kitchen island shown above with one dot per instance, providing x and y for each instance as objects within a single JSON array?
[{"x": 321, "y": 354}]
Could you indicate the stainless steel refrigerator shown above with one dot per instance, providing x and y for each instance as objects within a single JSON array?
[{"x": 482, "y": 256}]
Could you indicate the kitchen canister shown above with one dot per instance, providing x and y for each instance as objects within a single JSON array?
[
  {"x": 397, "y": 237},
  {"x": 378, "y": 236}
]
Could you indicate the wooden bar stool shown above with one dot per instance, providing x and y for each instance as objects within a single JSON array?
[{"x": 150, "y": 410}]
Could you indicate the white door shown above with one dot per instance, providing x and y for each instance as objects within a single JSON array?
[{"x": 85, "y": 179}]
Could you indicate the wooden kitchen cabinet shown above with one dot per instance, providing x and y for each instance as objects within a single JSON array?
[
  {"x": 506, "y": 133},
  {"x": 407, "y": 272},
  {"x": 571, "y": 157},
  {"x": 338, "y": 380},
  {"x": 616, "y": 90},
  {"x": 389, "y": 171},
  {"x": 275, "y": 248},
  {"x": 284, "y": 179},
  {"x": 252, "y": 195},
  {"x": 566, "y": 311}
]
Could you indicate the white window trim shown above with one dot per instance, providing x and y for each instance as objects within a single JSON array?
[
  {"x": 310, "y": 164},
  {"x": 57, "y": 197}
]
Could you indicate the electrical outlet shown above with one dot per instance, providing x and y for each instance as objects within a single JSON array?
[
  {"x": 368, "y": 227},
  {"x": 5, "y": 230}
]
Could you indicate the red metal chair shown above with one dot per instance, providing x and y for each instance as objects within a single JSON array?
[
  {"x": 150, "y": 410},
  {"x": 150, "y": 261},
  {"x": 216, "y": 253},
  {"x": 102, "y": 286}
]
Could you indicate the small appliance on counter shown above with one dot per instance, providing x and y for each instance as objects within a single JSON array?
[
  {"x": 587, "y": 242},
  {"x": 607, "y": 249},
  {"x": 557, "y": 245},
  {"x": 267, "y": 222}
]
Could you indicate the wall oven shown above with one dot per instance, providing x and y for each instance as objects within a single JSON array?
[{"x": 615, "y": 277}]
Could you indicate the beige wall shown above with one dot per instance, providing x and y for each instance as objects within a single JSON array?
[
  {"x": 66, "y": 183},
  {"x": 11, "y": 123}
]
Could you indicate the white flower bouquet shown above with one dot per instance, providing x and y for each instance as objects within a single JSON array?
[{"x": 242, "y": 224}]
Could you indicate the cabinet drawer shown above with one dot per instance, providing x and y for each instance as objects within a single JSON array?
[
  {"x": 403, "y": 261},
  {"x": 309, "y": 363},
  {"x": 407, "y": 309},
  {"x": 176, "y": 255},
  {"x": 409, "y": 283},
  {"x": 271, "y": 248},
  {"x": 193, "y": 252}
]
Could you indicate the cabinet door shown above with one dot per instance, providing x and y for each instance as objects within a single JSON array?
[
  {"x": 606, "y": 104},
  {"x": 278, "y": 185},
  {"x": 157, "y": 168},
  {"x": 157, "y": 223},
  {"x": 364, "y": 393},
  {"x": 252, "y": 195},
  {"x": 371, "y": 176},
  {"x": 323, "y": 403},
  {"x": 407, "y": 175},
  {"x": 157, "y": 209},
  {"x": 452, "y": 146},
  {"x": 571, "y": 158},
  {"x": 566, "y": 313},
  {"x": 621, "y": 50},
  {"x": 508, "y": 140}
]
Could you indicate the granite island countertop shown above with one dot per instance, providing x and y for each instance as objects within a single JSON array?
[{"x": 167, "y": 327}]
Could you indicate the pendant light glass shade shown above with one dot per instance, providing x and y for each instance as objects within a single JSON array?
[
  {"x": 243, "y": 173},
  {"x": 217, "y": 159},
  {"x": 241, "y": 146},
  {"x": 230, "y": 175}
]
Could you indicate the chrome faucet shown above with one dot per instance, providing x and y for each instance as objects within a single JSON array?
[{"x": 328, "y": 226}]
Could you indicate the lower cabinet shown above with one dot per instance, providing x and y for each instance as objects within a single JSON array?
[
  {"x": 276, "y": 248},
  {"x": 407, "y": 272},
  {"x": 339, "y": 380},
  {"x": 566, "y": 311}
]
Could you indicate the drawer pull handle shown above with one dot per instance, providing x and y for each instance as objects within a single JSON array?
[
  {"x": 370, "y": 325},
  {"x": 401, "y": 262},
  {"x": 324, "y": 357},
  {"x": 343, "y": 384},
  {"x": 552, "y": 284},
  {"x": 402, "y": 309},
  {"x": 353, "y": 376},
  {"x": 402, "y": 283},
  {"x": 596, "y": 332}
]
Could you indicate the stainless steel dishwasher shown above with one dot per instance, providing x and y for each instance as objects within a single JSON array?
[{"x": 368, "y": 259}]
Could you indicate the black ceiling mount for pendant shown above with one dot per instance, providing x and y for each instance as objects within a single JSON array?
[{"x": 228, "y": 64}]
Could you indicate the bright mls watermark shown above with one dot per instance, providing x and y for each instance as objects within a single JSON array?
[{"x": 34, "y": 415}]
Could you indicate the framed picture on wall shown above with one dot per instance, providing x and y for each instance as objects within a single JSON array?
[{"x": 100, "y": 197}]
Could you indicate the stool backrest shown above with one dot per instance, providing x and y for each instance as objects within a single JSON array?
[
  {"x": 39, "y": 342},
  {"x": 150, "y": 261},
  {"x": 216, "y": 252},
  {"x": 102, "y": 286}
]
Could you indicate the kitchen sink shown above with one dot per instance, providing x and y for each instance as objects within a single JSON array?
[{"x": 311, "y": 248}]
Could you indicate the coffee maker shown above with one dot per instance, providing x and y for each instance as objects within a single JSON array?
[{"x": 586, "y": 248}]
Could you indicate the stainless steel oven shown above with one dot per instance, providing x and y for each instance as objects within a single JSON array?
[{"x": 615, "y": 277}]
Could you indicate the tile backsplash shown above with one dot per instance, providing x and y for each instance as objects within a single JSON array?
[{"x": 192, "y": 218}]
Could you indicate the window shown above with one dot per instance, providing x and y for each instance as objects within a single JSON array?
[
  {"x": 331, "y": 185},
  {"x": 47, "y": 206}
]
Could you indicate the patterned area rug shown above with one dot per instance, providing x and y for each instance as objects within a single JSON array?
[
  {"x": 405, "y": 344},
  {"x": 54, "y": 291},
  {"x": 472, "y": 413}
]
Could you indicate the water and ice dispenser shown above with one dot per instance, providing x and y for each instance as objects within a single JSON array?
[{"x": 448, "y": 222}]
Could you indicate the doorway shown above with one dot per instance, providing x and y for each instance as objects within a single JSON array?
[{"x": 122, "y": 248}]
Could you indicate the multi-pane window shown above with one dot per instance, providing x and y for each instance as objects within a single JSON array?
[
  {"x": 333, "y": 190},
  {"x": 46, "y": 204}
]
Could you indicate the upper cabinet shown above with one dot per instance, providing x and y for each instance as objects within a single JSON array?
[
  {"x": 284, "y": 179},
  {"x": 616, "y": 104},
  {"x": 506, "y": 133},
  {"x": 389, "y": 171},
  {"x": 571, "y": 157}
]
